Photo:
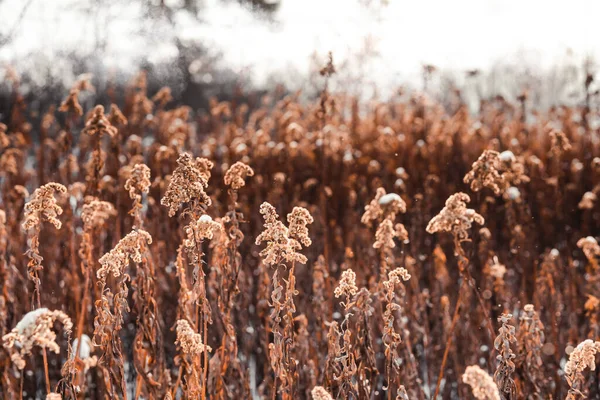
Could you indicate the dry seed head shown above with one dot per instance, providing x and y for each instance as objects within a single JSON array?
[
  {"x": 190, "y": 341},
  {"x": 395, "y": 277},
  {"x": 4, "y": 140},
  {"x": 497, "y": 270},
  {"x": 95, "y": 213},
  {"x": 592, "y": 303},
  {"x": 506, "y": 366},
  {"x": 481, "y": 383},
  {"x": 34, "y": 329},
  {"x": 383, "y": 206},
  {"x": 188, "y": 183},
  {"x": 138, "y": 181},
  {"x": 386, "y": 232},
  {"x": 203, "y": 228},
  {"x": 347, "y": 286},
  {"x": 98, "y": 124},
  {"x": 329, "y": 68},
  {"x": 283, "y": 243},
  {"x": 84, "y": 83},
  {"x": 71, "y": 103},
  {"x": 236, "y": 175},
  {"x": 53, "y": 396},
  {"x": 560, "y": 142},
  {"x": 297, "y": 221},
  {"x": 485, "y": 172},
  {"x": 163, "y": 96},
  {"x": 43, "y": 206},
  {"x": 455, "y": 217},
  {"x": 274, "y": 234},
  {"x": 115, "y": 116},
  {"x": 582, "y": 357},
  {"x": 319, "y": 393},
  {"x": 130, "y": 247},
  {"x": 587, "y": 201},
  {"x": 497, "y": 171},
  {"x": 399, "y": 274},
  {"x": 590, "y": 247},
  {"x": 10, "y": 161}
]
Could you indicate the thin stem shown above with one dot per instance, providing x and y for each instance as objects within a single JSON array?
[
  {"x": 449, "y": 340},
  {"x": 205, "y": 355},
  {"x": 48, "y": 390}
]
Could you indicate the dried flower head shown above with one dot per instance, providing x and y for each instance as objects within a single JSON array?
[
  {"x": 282, "y": 245},
  {"x": 497, "y": 171},
  {"x": 190, "y": 341},
  {"x": 398, "y": 275},
  {"x": 481, "y": 383},
  {"x": 71, "y": 103},
  {"x": 98, "y": 125},
  {"x": 297, "y": 221},
  {"x": 582, "y": 357},
  {"x": 386, "y": 232},
  {"x": 4, "y": 140},
  {"x": 497, "y": 270},
  {"x": 592, "y": 304},
  {"x": 130, "y": 247},
  {"x": 10, "y": 161},
  {"x": 84, "y": 83},
  {"x": 559, "y": 142},
  {"x": 383, "y": 209},
  {"x": 587, "y": 201},
  {"x": 201, "y": 229},
  {"x": 319, "y": 393},
  {"x": 188, "y": 183},
  {"x": 34, "y": 329},
  {"x": 115, "y": 116},
  {"x": 43, "y": 206},
  {"x": 485, "y": 172},
  {"x": 95, "y": 213},
  {"x": 506, "y": 366},
  {"x": 329, "y": 69},
  {"x": 236, "y": 174},
  {"x": 455, "y": 217},
  {"x": 347, "y": 285},
  {"x": 590, "y": 247},
  {"x": 530, "y": 340},
  {"x": 163, "y": 96},
  {"x": 53, "y": 396},
  {"x": 383, "y": 206},
  {"x": 138, "y": 181}
]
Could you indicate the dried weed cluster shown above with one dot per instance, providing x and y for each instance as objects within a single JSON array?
[{"x": 174, "y": 277}]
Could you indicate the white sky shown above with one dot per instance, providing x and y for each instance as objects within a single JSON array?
[{"x": 451, "y": 34}]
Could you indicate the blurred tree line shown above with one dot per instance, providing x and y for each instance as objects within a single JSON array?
[{"x": 194, "y": 74}]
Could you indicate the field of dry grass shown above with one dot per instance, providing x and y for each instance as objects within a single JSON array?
[{"x": 335, "y": 249}]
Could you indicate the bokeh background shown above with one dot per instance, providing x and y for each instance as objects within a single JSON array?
[{"x": 205, "y": 48}]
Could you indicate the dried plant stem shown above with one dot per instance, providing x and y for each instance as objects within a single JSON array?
[
  {"x": 205, "y": 357},
  {"x": 201, "y": 320},
  {"x": 47, "y": 376},
  {"x": 468, "y": 277},
  {"x": 449, "y": 340},
  {"x": 81, "y": 321}
]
